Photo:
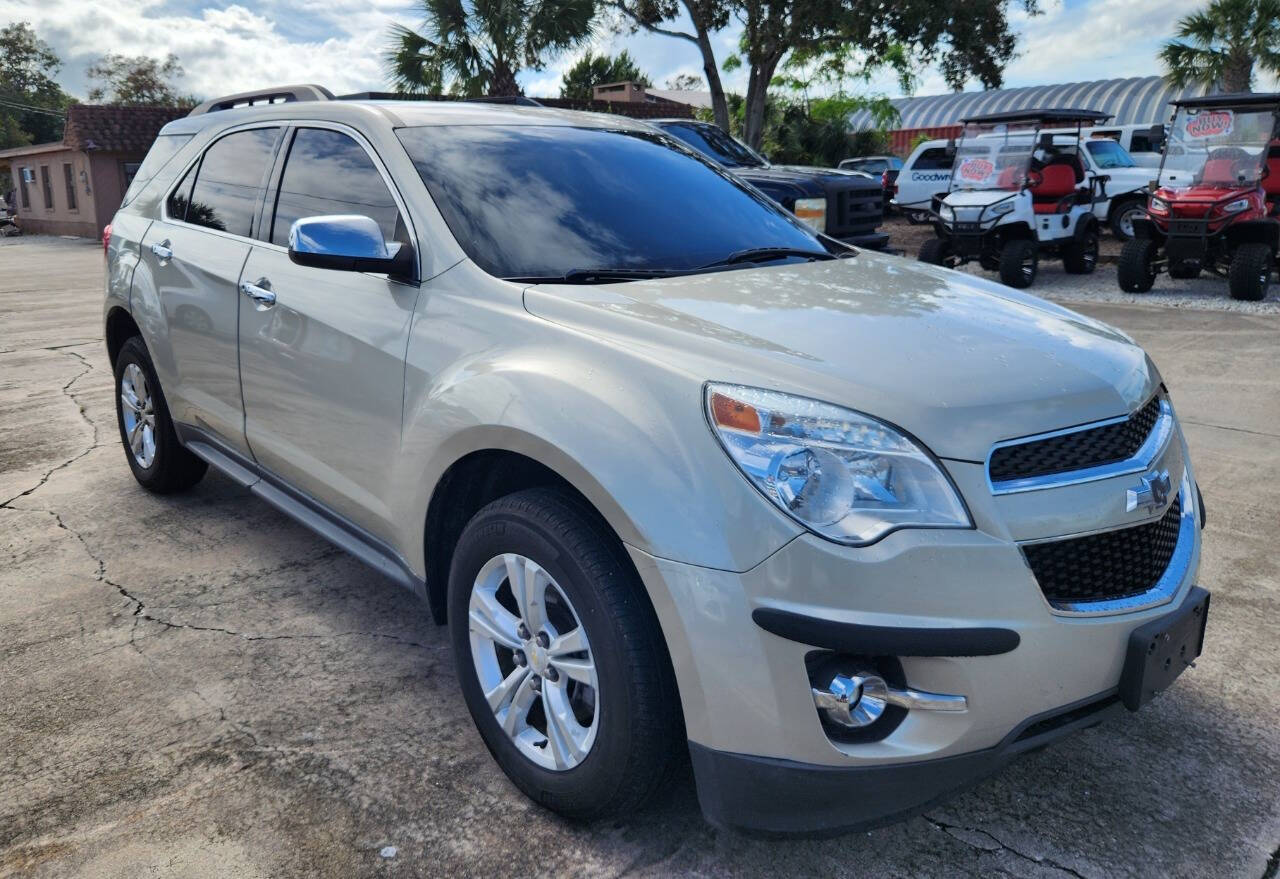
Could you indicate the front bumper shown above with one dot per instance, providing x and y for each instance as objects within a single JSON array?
[{"x": 746, "y": 690}]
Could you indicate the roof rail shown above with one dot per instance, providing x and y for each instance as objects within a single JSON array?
[{"x": 279, "y": 95}]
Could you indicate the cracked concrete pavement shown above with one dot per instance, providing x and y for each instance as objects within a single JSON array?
[{"x": 196, "y": 686}]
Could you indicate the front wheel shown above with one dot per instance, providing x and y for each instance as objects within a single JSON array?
[
  {"x": 159, "y": 462},
  {"x": 1136, "y": 271},
  {"x": 935, "y": 251},
  {"x": 1250, "y": 273},
  {"x": 559, "y": 655},
  {"x": 1019, "y": 260},
  {"x": 1080, "y": 256}
]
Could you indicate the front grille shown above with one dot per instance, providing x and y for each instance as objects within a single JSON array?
[
  {"x": 857, "y": 211},
  {"x": 1077, "y": 450},
  {"x": 1106, "y": 566}
]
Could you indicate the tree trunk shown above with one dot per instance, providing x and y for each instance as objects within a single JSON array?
[
  {"x": 719, "y": 106},
  {"x": 757, "y": 92},
  {"x": 503, "y": 82},
  {"x": 1237, "y": 73}
]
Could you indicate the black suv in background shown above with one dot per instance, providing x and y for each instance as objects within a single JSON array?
[{"x": 848, "y": 205}]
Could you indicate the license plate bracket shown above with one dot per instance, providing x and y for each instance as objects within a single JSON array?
[{"x": 1162, "y": 649}]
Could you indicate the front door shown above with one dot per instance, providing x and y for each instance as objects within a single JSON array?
[
  {"x": 193, "y": 256},
  {"x": 322, "y": 367}
]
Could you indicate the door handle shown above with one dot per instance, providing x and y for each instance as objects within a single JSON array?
[
  {"x": 260, "y": 292},
  {"x": 161, "y": 251}
]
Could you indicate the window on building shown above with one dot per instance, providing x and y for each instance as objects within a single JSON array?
[
  {"x": 329, "y": 173},
  {"x": 23, "y": 173},
  {"x": 230, "y": 181},
  {"x": 69, "y": 176},
  {"x": 46, "y": 187}
]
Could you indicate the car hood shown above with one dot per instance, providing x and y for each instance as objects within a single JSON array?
[
  {"x": 1126, "y": 179},
  {"x": 957, "y": 361},
  {"x": 806, "y": 178}
]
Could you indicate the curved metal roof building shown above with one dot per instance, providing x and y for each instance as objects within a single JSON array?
[{"x": 1135, "y": 101}]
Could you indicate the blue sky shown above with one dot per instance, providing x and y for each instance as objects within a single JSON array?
[{"x": 228, "y": 47}]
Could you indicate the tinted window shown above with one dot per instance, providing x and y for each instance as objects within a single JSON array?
[
  {"x": 536, "y": 201},
  {"x": 162, "y": 150},
  {"x": 230, "y": 180},
  {"x": 714, "y": 142},
  {"x": 933, "y": 159},
  {"x": 180, "y": 198},
  {"x": 329, "y": 173},
  {"x": 873, "y": 166}
]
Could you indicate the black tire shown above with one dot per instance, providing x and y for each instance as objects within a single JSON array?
[
  {"x": 1250, "y": 273},
  {"x": 917, "y": 218},
  {"x": 1019, "y": 262},
  {"x": 1122, "y": 211},
  {"x": 1080, "y": 255},
  {"x": 1136, "y": 272},
  {"x": 640, "y": 733},
  {"x": 1185, "y": 271},
  {"x": 935, "y": 251},
  {"x": 172, "y": 468}
]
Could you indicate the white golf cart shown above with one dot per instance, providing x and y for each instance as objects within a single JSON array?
[{"x": 1015, "y": 193}]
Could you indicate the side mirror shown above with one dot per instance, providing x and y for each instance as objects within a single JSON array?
[{"x": 348, "y": 243}]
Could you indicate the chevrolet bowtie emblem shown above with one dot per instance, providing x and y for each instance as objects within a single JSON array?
[{"x": 1152, "y": 492}]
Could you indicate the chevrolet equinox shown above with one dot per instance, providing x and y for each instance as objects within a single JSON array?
[{"x": 681, "y": 475}]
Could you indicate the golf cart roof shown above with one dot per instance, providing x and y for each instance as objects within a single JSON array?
[
  {"x": 1056, "y": 115},
  {"x": 1240, "y": 99}
]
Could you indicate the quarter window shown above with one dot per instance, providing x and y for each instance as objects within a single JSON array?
[
  {"x": 329, "y": 173},
  {"x": 230, "y": 179}
]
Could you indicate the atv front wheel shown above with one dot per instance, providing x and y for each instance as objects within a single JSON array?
[
  {"x": 935, "y": 251},
  {"x": 1136, "y": 271},
  {"x": 1250, "y": 273},
  {"x": 1019, "y": 260}
]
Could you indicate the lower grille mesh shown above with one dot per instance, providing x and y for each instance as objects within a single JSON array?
[{"x": 1101, "y": 567}]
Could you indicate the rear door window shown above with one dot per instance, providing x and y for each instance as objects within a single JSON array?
[
  {"x": 328, "y": 173},
  {"x": 230, "y": 181}
]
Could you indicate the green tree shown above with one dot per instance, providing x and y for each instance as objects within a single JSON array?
[
  {"x": 1220, "y": 45},
  {"x": 592, "y": 70},
  {"x": 32, "y": 105},
  {"x": 478, "y": 47},
  {"x": 686, "y": 82},
  {"x": 965, "y": 38},
  {"x": 136, "y": 81}
]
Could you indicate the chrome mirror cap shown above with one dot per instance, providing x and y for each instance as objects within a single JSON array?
[{"x": 347, "y": 242}]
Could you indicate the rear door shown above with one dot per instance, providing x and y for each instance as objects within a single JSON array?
[
  {"x": 194, "y": 255},
  {"x": 322, "y": 368}
]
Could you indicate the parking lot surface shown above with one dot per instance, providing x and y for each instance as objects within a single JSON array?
[{"x": 196, "y": 686}]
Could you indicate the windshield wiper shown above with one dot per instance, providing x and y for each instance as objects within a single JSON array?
[
  {"x": 766, "y": 254},
  {"x": 587, "y": 276}
]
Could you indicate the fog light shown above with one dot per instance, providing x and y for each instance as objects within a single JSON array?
[{"x": 859, "y": 700}]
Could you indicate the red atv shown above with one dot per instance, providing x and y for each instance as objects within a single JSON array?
[{"x": 1216, "y": 205}]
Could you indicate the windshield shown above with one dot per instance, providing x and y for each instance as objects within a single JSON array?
[
  {"x": 1107, "y": 153},
  {"x": 716, "y": 143},
  {"x": 544, "y": 201},
  {"x": 1217, "y": 148},
  {"x": 992, "y": 157}
]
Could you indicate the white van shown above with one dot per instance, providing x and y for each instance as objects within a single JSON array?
[
  {"x": 1142, "y": 142},
  {"x": 927, "y": 172}
]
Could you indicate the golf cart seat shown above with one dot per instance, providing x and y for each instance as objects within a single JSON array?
[
  {"x": 1271, "y": 179},
  {"x": 1050, "y": 194}
]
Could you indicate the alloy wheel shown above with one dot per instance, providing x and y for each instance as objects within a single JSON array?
[
  {"x": 138, "y": 410},
  {"x": 534, "y": 662}
]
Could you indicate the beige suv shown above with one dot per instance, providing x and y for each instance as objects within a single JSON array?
[{"x": 680, "y": 474}]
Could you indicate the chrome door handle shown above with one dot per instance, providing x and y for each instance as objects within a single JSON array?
[
  {"x": 260, "y": 292},
  {"x": 161, "y": 251}
]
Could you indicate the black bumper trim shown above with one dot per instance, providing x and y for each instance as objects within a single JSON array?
[
  {"x": 885, "y": 640},
  {"x": 766, "y": 796}
]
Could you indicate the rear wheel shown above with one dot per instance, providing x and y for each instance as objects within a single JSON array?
[
  {"x": 159, "y": 462},
  {"x": 935, "y": 251},
  {"x": 1123, "y": 215},
  {"x": 559, "y": 655},
  {"x": 1250, "y": 273},
  {"x": 1080, "y": 256},
  {"x": 1136, "y": 271},
  {"x": 1019, "y": 261}
]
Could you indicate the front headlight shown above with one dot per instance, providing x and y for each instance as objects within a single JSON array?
[
  {"x": 1002, "y": 208},
  {"x": 946, "y": 213},
  {"x": 812, "y": 212},
  {"x": 1158, "y": 206},
  {"x": 1235, "y": 207},
  {"x": 845, "y": 476}
]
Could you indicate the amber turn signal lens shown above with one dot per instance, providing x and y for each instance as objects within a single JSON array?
[{"x": 733, "y": 415}]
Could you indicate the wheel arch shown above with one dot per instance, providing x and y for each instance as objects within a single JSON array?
[
  {"x": 120, "y": 327},
  {"x": 1265, "y": 231}
]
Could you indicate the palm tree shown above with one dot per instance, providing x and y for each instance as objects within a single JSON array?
[
  {"x": 477, "y": 48},
  {"x": 1220, "y": 45}
]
